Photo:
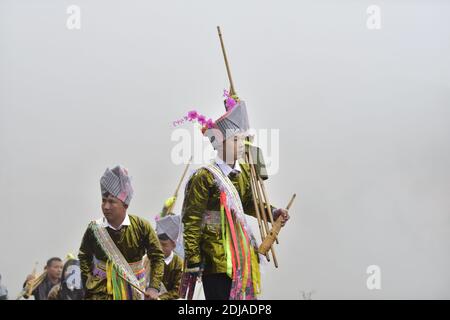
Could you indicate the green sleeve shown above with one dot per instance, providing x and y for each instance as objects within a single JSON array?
[
  {"x": 194, "y": 205},
  {"x": 85, "y": 255},
  {"x": 155, "y": 256}
]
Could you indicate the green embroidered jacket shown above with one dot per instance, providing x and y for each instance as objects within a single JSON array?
[
  {"x": 133, "y": 241},
  {"x": 172, "y": 278},
  {"x": 203, "y": 242}
]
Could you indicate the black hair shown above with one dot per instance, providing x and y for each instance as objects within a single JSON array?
[
  {"x": 51, "y": 260},
  {"x": 163, "y": 237},
  {"x": 106, "y": 194}
]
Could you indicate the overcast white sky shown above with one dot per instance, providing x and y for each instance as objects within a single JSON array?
[{"x": 364, "y": 120}]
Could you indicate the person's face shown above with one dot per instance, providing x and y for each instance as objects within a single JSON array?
[
  {"x": 233, "y": 148},
  {"x": 55, "y": 269},
  {"x": 113, "y": 209},
  {"x": 167, "y": 247}
]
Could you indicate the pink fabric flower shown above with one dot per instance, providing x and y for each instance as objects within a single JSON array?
[
  {"x": 201, "y": 119},
  {"x": 230, "y": 103},
  {"x": 210, "y": 123},
  {"x": 192, "y": 115}
]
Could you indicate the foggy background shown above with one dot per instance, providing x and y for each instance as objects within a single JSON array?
[{"x": 364, "y": 120}]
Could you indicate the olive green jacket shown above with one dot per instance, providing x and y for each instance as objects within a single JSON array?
[
  {"x": 203, "y": 242},
  {"x": 133, "y": 241},
  {"x": 172, "y": 278}
]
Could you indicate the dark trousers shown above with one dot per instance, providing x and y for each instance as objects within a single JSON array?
[{"x": 216, "y": 286}]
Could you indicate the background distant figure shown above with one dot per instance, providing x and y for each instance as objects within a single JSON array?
[
  {"x": 3, "y": 290},
  {"x": 53, "y": 271},
  {"x": 70, "y": 287}
]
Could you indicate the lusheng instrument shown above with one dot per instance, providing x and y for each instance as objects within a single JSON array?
[
  {"x": 260, "y": 198},
  {"x": 31, "y": 285},
  {"x": 273, "y": 233}
]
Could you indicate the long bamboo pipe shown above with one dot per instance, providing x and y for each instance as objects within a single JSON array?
[
  {"x": 261, "y": 227},
  {"x": 264, "y": 199},
  {"x": 30, "y": 286},
  {"x": 232, "y": 91},
  {"x": 261, "y": 204},
  {"x": 269, "y": 240}
]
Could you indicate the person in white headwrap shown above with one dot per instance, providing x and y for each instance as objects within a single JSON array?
[
  {"x": 168, "y": 229},
  {"x": 112, "y": 247}
]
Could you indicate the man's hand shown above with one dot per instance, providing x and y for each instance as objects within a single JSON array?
[
  {"x": 151, "y": 294},
  {"x": 283, "y": 213},
  {"x": 30, "y": 277}
]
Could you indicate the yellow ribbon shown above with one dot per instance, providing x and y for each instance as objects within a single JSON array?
[{"x": 109, "y": 288}]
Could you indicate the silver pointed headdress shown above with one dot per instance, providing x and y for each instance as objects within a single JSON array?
[
  {"x": 117, "y": 183},
  {"x": 231, "y": 123}
]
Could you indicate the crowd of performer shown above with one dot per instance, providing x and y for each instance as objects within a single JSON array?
[{"x": 122, "y": 257}]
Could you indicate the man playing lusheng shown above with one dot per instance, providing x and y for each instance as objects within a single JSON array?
[{"x": 217, "y": 239}]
